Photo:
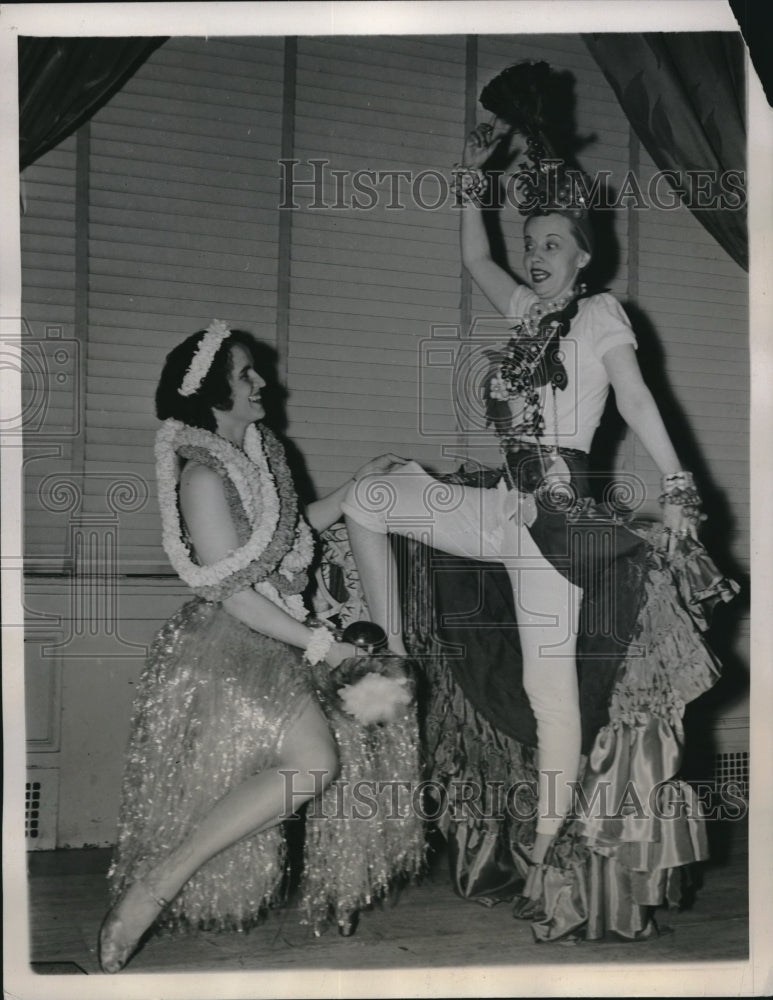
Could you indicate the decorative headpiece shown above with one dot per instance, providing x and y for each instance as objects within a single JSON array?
[
  {"x": 545, "y": 186},
  {"x": 538, "y": 102},
  {"x": 201, "y": 362}
]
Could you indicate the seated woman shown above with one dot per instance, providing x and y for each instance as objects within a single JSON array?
[
  {"x": 228, "y": 737},
  {"x": 574, "y": 570}
]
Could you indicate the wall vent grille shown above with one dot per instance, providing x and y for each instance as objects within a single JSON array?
[
  {"x": 733, "y": 768},
  {"x": 32, "y": 810},
  {"x": 41, "y": 805}
]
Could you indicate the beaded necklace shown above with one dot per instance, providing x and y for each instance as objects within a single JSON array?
[{"x": 531, "y": 359}]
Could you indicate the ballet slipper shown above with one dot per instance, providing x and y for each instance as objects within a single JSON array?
[
  {"x": 348, "y": 922},
  {"x": 115, "y": 947}
]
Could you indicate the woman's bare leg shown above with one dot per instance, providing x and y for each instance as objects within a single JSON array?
[
  {"x": 255, "y": 805},
  {"x": 483, "y": 524}
]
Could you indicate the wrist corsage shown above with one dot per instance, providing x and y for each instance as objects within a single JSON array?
[{"x": 318, "y": 645}]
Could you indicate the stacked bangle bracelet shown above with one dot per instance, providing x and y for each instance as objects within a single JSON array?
[
  {"x": 468, "y": 183},
  {"x": 679, "y": 488}
]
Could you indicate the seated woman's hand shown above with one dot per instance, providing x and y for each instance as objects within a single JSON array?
[
  {"x": 339, "y": 652},
  {"x": 380, "y": 466}
]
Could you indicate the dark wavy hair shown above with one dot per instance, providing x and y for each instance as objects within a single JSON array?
[{"x": 214, "y": 391}]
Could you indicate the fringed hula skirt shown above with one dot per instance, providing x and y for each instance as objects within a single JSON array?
[{"x": 213, "y": 705}]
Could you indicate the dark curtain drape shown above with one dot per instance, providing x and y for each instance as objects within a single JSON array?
[
  {"x": 64, "y": 81},
  {"x": 684, "y": 95}
]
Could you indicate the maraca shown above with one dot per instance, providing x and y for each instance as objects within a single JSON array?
[{"x": 365, "y": 635}]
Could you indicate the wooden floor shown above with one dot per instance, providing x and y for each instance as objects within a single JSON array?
[{"x": 427, "y": 926}]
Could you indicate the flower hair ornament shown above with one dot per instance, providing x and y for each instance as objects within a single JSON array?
[
  {"x": 545, "y": 186},
  {"x": 201, "y": 362}
]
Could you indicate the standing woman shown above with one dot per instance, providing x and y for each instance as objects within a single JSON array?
[
  {"x": 228, "y": 738},
  {"x": 575, "y": 571}
]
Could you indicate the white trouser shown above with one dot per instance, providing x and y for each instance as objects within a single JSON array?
[{"x": 485, "y": 524}]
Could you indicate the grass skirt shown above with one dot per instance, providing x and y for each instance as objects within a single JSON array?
[
  {"x": 366, "y": 830},
  {"x": 212, "y": 707}
]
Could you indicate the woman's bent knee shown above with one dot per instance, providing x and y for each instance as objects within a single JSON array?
[
  {"x": 319, "y": 761},
  {"x": 326, "y": 762},
  {"x": 309, "y": 747},
  {"x": 398, "y": 497},
  {"x": 308, "y": 774},
  {"x": 362, "y": 505}
]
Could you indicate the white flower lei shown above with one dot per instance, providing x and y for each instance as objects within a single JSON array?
[
  {"x": 252, "y": 478},
  {"x": 201, "y": 362},
  {"x": 300, "y": 554}
]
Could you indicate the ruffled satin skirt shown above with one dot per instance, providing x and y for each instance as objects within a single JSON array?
[
  {"x": 213, "y": 705},
  {"x": 637, "y": 828}
]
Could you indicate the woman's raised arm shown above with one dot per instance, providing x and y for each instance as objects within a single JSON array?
[{"x": 495, "y": 283}]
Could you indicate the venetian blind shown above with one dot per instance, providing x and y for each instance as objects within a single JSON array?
[
  {"x": 694, "y": 302},
  {"x": 183, "y": 228},
  {"x": 50, "y": 358},
  {"x": 371, "y": 285}
]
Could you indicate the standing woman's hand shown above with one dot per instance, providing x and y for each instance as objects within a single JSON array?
[
  {"x": 681, "y": 509},
  {"x": 380, "y": 465},
  {"x": 678, "y": 523},
  {"x": 482, "y": 141}
]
